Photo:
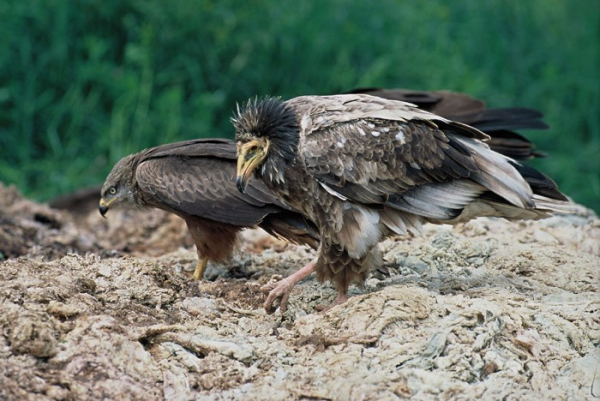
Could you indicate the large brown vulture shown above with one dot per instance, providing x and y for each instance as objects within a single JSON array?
[{"x": 362, "y": 168}]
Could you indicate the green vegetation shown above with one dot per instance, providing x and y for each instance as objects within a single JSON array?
[{"x": 84, "y": 82}]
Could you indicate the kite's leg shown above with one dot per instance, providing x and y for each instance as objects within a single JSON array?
[{"x": 200, "y": 267}]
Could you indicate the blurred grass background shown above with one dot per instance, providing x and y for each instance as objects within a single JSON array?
[{"x": 85, "y": 82}]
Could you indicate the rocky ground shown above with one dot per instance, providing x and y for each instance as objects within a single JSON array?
[{"x": 104, "y": 309}]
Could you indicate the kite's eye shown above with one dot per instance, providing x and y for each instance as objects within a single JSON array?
[{"x": 112, "y": 190}]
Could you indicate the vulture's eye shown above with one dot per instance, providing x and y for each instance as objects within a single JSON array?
[
  {"x": 251, "y": 152},
  {"x": 112, "y": 190}
]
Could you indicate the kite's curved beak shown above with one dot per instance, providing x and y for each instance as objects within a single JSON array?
[
  {"x": 250, "y": 156},
  {"x": 103, "y": 207}
]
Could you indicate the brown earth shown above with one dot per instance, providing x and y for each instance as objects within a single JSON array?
[{"x": 104, "y": 309}]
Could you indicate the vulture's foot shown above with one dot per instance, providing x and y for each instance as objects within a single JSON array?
[
  {"x": 283, "y": 288},
  {"x": 340, "y": 299}
]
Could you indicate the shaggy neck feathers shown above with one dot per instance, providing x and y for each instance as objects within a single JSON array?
[{"x": 273, "y": 119}]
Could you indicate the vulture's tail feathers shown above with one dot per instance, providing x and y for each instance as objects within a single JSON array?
[
  {"x": 511, "y": 190},
  {"x": 540, "y": 183},
  {"x": 498, "y": 175}
]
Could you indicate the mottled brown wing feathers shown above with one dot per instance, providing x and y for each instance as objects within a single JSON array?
[
  {"x": 385, "y": 154},
  {"x": 385, "y": 162},
  {"x": 497, "y": 123},
  {"x": 188, "y": 180},
  {"x": 215, "y": 147},
  {"x": 451, "y": 105},
  {"x": 375, "y": 151},
  {"x": 292, "y": 227}
]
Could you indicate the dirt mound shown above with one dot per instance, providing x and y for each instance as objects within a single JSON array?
[
  {"x": 94, "y": 308},
  {"x": 29, "y": 228}
]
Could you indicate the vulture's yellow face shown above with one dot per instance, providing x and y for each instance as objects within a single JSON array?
[{"x": 251, "y": 154}]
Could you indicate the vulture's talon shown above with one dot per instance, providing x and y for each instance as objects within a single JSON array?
[
  {"x": 278, "y": 290},
  {"x": 340, "y": 299},
  {"x": 273, "y": 282},
  {"x": 283, "y": 288}
]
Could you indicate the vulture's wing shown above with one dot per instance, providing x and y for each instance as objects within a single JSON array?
[
  {"x": 451, "y": 105},
  {"x": 497, "y": 123},
  {"x": 198, "y": 178},
  {"x": 374, "y": 151}
]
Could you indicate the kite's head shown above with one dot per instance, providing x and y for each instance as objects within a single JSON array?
[
  {"x": 117, "y": 190},
  {"x": 266, "y": 133}
]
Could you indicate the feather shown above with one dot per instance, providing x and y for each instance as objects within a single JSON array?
[
  {"x": 498, "y": 175},
  {"x": 497, "y": 123}
]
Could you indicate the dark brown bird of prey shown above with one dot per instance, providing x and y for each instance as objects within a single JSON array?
[
  {"x": 196, "y": 181},
  {"x": 362, "y": 168}
]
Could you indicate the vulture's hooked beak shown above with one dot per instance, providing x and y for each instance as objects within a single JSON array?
[
  {"x": 103, "y": 207},
  {"x": 250, "y": 156}
]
